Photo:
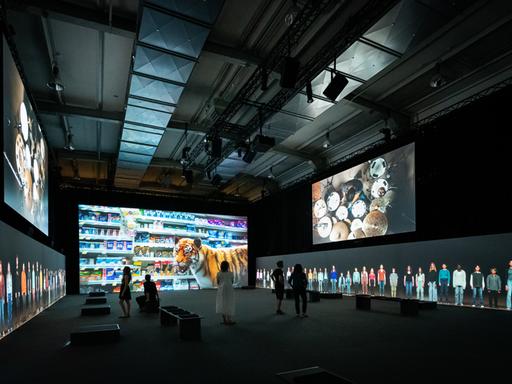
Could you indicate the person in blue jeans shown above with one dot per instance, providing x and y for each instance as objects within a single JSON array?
[
  {"x": 444, "y": 283},
  {"x": 508, "y": 286},
  {"x": 408, "y": 282},
  {"x": 334, "y": 277},
  {"x": 459, "y": 284},
  {"x": 477, "y": 284},
  {"x": 2, "y": 295},
  {"x": 348, "y": 283}
]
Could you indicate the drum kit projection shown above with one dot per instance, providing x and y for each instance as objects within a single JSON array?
[
  {"x": 355, "y": 209},
  {"x": 30, "y": 156}
]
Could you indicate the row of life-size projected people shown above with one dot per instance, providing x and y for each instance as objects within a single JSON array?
[
  {"x": 437, "y": 283},
  {"x": 25, "y": 290}
]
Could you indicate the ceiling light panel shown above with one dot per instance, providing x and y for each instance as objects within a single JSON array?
[
  {"x": 141, "y": 137},
  {"x": 203, "y": 10},
  {"x": 151, "y": 105},
  {"x": 164, "y": 65},
  {"x": 134, "y": 157},
  {"x": 137, "y": 148},
  {"x": 363, "y": 61},
  {"x": 155, "y": 89},
  {"x": 171, "y": 33},
  {"x": 144, "y": 128},
  {"x": 147, "y": 116}
]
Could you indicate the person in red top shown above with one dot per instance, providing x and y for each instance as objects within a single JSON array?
[
  {"x": 372, "y": 281},
  {"x": 381, "y": 279}
]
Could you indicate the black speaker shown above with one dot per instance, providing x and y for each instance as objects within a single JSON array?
[
  {"x": 249, "y": 155},
  {"x": 216, "y": 147},
  {"x": 217, "y": 179},
  {"x": 289, "y": 73},
  {"x": 333, "y": 90},
  {"x": 189, "y": 176}
]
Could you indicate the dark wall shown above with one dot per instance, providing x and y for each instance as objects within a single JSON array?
[
  {"x": 66, "y": 218},
  {"x": 461, "y": 177}
]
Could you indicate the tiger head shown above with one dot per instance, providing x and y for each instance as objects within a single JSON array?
[{"x": 186, "y": 253}]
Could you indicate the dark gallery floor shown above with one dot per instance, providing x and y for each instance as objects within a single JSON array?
[{"x": 358, "y": 345}]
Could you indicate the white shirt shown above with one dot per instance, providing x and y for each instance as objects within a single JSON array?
[{"x": 459, "y": 278}]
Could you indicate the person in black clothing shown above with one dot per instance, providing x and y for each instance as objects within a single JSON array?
[
  {"x": 125, "y": 296},
  {"x": 150, "y": 301},
  {"x": 299, "y": 282},
  {"x": 278, "y": 279}
]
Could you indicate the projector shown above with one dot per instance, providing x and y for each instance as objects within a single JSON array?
[{"x": 263, "y": 143}]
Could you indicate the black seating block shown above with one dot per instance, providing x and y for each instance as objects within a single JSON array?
[
  {"x": 190, "y": 327},
  {"x": 97, "y": 294},
  {"x": 428, "y": 305},
  {"x": 95, "y": 300},
  {"x": 314, "y": 296},
  {"x": 88, "y": 310},
  {"x": 95, "y": 334},
  {"x": 409, "y": 307},
  {"x": 363, "y": 302}
]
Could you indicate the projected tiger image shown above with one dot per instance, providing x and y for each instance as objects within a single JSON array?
[{"x": 375, "y": 198}]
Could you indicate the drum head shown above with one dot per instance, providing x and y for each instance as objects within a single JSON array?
[
  {"x": 342, "y": 212},
  {"x": 339, "y": 232},
  {"x": 24, "y": 121},
  {"x": 324, "y": 227},
  {"x": 333, "y": 201},
  {"x": 320, "y": 209},
  {"x": 358, "y": 209}
]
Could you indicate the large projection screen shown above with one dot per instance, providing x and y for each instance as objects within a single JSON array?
[
  {"x": 179, "y": 250},
  {"x": 25, "y": 153},
  {"x": 32, "y": 277},
  {"x": 374, "y": 198}
]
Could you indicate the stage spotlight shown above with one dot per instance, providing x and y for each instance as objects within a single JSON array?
[
  {"x": 337, "y": 84},
  {"x": 249, "y": 155},
  {"x": 264, "y": 80},
  {"x": 209, "y": 174},
  {"x": 271, "y": 175},
  {"x": 217, "y": 179},
  {"x": 289, "y": 73},
  {"x": 216, "y": 147},
  {"x": 309, "y": 92},
  {"x": 189, "y": 175},
  {"x": 240, "y": 152},
  {"x": 327, "y": 142},
  {"x": 437, "y": 80},
  {"x": 69, "y": 143}
]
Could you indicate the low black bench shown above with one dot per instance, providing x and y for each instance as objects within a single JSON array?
[
  {"x": 88, "y": 310},
  {"x": 95, "y": 300},
  {"x": 97, "y": 294},
  {"x": 408, "y": 307},
  {"x": 314, "y": 296},
  {"x": 95, "y": 334},
  {"x": 189, "y": 323}
]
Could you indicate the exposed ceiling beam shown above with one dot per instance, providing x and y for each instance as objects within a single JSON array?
[
  {"x": 231, "y": 55},
  {"x": 318, "y": 161},
  {"x": 47, "y": 108},
  {"x": 79, "y": 15}
]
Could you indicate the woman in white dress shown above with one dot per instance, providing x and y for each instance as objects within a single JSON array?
[{"x": 225, "y": 304}]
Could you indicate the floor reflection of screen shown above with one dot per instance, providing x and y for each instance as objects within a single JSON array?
[
  {"x": 32, "y": 277},
  {"x": 25, "y": 153},
  {"x": 374, "y": 198},
  {"x": 179, "y": 250}
]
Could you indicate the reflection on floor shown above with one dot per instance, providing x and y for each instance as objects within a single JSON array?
[{"x": 359, "y": 345}]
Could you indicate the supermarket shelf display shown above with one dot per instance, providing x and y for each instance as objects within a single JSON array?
[{"x": 111, "y": 238}]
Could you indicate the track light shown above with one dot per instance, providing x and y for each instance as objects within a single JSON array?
[
  {"x": 264, "y": 79},
  {"x": 337, "y": 84},
  {"x": 437, "y": 80},
  {"x": 309, "y": 92},
  {"x": 271, "y": 175},
  {"x": 69, "y": 142},
  {"x": 55, "y": 86},
  {"x": 327, "y": 142}
]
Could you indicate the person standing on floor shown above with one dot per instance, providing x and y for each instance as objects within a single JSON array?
[
  {"x": 393, "y": 281},
  {"x": 8, "y": 296},
  {"x": 420, "y": 284},
  {"x": 320, "y": 280},
  {"x": 299, "y": 282},
  {"x": 125, "y": 296},
  {"x": 315, "y": 279},
  {"x": 326, "y": 280},
  {"x": 2, "y": 299},
  {"x": 334, "y": 277},
  {"x": 356, "y": 281},
  {"x": 459, "y": 284},
  {"x": 364, "y": 281},
  {"x": 372, "y": 281},
  {"x": 477, "y": 284},
  {"x": 225, "y": 304},
  {"x": 493, "y": 287},
  {"x": 432, "y": 282},
  {"x": 348, "y": 283},
  {"x": 310, "y": 279},
  {"x": 508, "y": 286},
  {"x": 444, "y": 283},
  {"x": 408, "y": 282},
  {"x": 278, "y": 279},
  {"x": 341, "y": 282},
  {"x": 381, "y": 279}
]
